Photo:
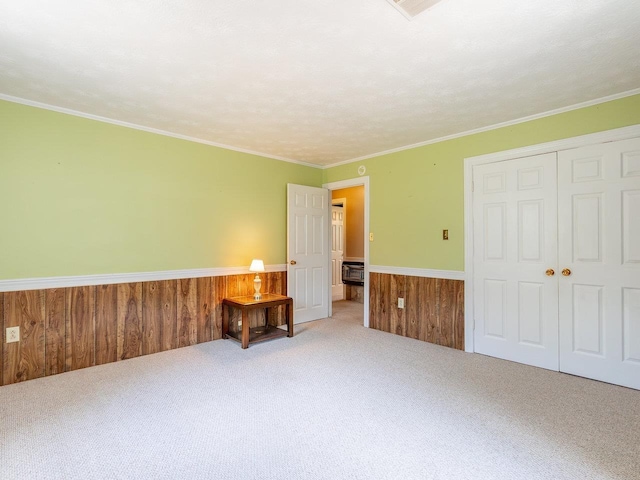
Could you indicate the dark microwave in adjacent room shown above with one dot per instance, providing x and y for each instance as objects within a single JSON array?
[{"x": 353, "y": 273}]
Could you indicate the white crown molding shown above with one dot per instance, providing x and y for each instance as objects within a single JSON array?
[
  {"x": 111, "y": 278},
  {"x": 418, "y": 272},
  {"x": 76, "y": 113},
  {"x": 509, "y": 123},
  {"x": 496, "y": 126},
  {"x": 614, "y": 135}
]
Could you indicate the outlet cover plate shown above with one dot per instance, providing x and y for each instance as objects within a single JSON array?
[
  {"x": 401, "y": 303},
  {"x": 13, "y": 334}
]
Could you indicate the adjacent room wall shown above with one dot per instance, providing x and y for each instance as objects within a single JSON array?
[
  {"x": 354, "y": 237},
  {"x": 79, "y": 197}
]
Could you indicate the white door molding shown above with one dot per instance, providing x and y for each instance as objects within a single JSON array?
[
  {"x": 356, "y": 182},
  {"x": 558, "y": 145}
]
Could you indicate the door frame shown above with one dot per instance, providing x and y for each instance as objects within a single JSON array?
[
  {"x": 470, "y": 162},
  {"x": 355, "y": 182}
]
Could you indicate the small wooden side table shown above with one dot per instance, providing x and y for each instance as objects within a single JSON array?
[{"x": 257, "y": 334}]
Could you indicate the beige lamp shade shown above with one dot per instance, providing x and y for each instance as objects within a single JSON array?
[{"x": 256, "y": 265}]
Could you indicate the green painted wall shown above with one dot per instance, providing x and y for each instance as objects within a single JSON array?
[
  {"x": 417, "y": 193},
  {"x": 83, "y": 197}
]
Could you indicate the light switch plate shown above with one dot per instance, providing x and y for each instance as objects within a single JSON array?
[
  {"x": 371, "y": 237},
  {"x": 401, "y": 303}
]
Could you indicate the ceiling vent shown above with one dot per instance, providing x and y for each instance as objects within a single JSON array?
[{"x": 411, "y": 8}]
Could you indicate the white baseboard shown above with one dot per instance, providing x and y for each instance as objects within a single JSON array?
[
  {"x": 418, "y": 272},
  {"x": 111, "y": 278}
]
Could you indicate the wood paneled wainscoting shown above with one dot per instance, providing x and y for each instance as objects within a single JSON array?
[
  {"x": 434, "y": 308},
  {"x": 64, "y": 329}
]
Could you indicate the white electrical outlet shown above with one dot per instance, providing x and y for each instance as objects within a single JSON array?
[
  {"x": 401, "y": 303},
  {"x": 13, "y": 334}
]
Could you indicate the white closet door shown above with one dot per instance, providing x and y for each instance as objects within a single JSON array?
[
  {"x": 599, "y": 242},
  {"x": 515, "y": 242}
]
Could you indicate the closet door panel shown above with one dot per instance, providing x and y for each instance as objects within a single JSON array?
[
  {"x": 599, "y": 238},
  {"x": 515, "y": 242}
]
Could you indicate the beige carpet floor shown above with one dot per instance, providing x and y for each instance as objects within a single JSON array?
[{"x": 337, "y": 401}]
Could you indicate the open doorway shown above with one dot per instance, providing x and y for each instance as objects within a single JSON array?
[{"x": 350, "y": 246}]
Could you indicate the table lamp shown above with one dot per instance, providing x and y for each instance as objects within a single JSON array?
[{"x": 257, "y": 266}]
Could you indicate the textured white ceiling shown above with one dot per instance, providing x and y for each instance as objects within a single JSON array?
[{"x": 319, "y": 81}]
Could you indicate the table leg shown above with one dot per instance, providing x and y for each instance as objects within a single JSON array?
[
  {"x": 245, "y": 328},
  {"x": 289, "y": 315},
  {"x": 225, "y": 321}
]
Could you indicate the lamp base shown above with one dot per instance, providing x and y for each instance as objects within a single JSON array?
[{"x": 257, "y": 284}]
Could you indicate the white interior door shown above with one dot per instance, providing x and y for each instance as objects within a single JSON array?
[
  {"x": 515, "y": 243},
  {"x": 337, "y": 252},
  {"x": 599, "y": 242},
  {"x": 307, "y": 251}
]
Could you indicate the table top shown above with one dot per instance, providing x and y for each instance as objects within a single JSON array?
[{"x": 248, "y": 300}]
